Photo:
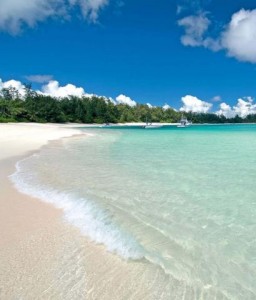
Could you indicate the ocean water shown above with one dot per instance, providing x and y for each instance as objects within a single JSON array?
[{"x": 182, "y": 199}]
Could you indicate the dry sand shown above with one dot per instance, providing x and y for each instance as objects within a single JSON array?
[
  {"x": 42, "y": 257},
  {"x": 27, "y": 225}
]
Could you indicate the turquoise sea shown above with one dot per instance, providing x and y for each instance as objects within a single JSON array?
[{"x": 182, "y": 199}]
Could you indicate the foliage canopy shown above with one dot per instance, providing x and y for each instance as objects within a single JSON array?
[{"x": 35, "y": 107}]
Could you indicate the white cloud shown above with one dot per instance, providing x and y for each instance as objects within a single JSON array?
[
  {"x": 216, "y": 98},
  {"x": 243, "y": 108},
  {"x": 110, "y": 99},
  {"x": 239, "y": 39},
  {"x": 225, "y": 110},
  {"x": 195, "y": 28},
  {"x": 122, "y": 99},
  {"x": 149, "y": 105},
  {"x": 55, "y": 90},
  {"x": 15, "y": 84},
  {"x": 90, "y": 8},
  {"x": 39, "y": 78},
  {"x": 193, "y": 104},
  {"x": 14, "y": 14},
  {"x": 166, "y": 106}
]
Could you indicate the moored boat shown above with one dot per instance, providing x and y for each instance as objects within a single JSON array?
[
  {"x": 148, "y": 126},
  {"x": 184, "y": 122}
]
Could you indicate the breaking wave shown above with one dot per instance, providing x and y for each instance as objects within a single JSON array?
[{"x": 92, "y": 220}]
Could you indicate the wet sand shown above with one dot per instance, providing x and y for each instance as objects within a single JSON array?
[{"x": 43, "y": 257}]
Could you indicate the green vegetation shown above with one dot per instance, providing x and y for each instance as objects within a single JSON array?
[{"x": 34, "y": 107}]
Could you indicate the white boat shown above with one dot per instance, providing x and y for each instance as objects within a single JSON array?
[
  {"x": 106, "y": 125},
  {"x": 148, "y": 126},
  {"x": 184, "y": 122}
]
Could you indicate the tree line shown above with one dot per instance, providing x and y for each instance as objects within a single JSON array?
[{"x": 36, "y": 107}]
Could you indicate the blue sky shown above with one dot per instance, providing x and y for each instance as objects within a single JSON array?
[{"x": 135, "y": 48}]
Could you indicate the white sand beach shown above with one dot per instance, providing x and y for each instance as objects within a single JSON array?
[
  {"x": 43, "y": 257},
  {"x": 28, "y": 226}
]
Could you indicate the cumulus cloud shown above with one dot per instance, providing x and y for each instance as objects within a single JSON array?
[
  {"x": 122, "y": 99},
  {"x": 166, "y": 106},
  {"x": 243, "y": 108},
  {"x": 14, "y": 84},
  {"x": 110, "y": 99},
  {"x": 193, "y": 104},
  {"x": 54, "y": 89},
  {"x": 225, "y": 110},
  {"x": 149, "y": 105},
  {"x": 238, "y": 38},
  {"x": 39, "y": 78},
  {"x": 14, "y": 14}
]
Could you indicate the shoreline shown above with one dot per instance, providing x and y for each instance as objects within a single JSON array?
[
  {"x": 77, "y": 126},
  {"x": 27, "y": 224},
  {"x": 17, "y": 143},
  {"x": 44, "y": 257}
]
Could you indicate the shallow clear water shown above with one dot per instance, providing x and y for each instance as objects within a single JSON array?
[{"x": 183, "y": 199}]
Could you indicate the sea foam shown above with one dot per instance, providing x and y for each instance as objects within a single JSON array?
[{"x": 92, "y": 220}]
